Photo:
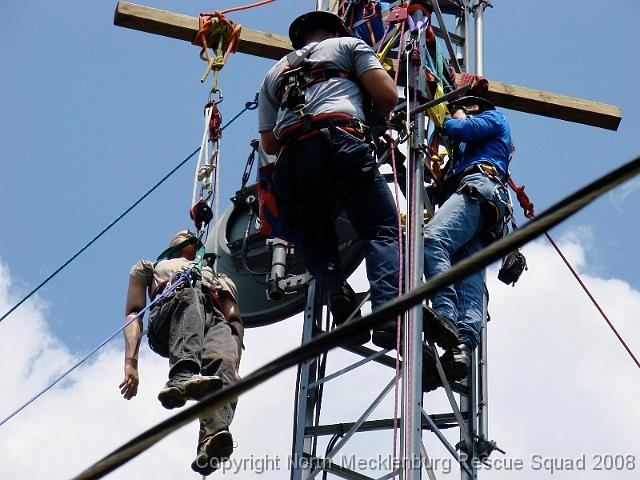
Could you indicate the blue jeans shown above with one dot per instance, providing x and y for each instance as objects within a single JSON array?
[
  {"x": 452, "y": 235},
  {"x": 319, "y": 176}
]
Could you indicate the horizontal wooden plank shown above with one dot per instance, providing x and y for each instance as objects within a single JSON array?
[
  {"x": 185, "y": 27},
  {"x": 267, "y": 45},
  {"x": 553, "y": 105}
]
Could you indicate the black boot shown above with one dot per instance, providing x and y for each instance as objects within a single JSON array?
[
  {"x": 386, "y": 336},
  {"x": 343, "y": 305},
  {"x": 430, "y": 377},
  {"x": 457, "y": 361},
  {"x": 442, "y": 329}
]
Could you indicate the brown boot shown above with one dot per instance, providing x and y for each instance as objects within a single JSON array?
[{"x": 213, "y": 451}]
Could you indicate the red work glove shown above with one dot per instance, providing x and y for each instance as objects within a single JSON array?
[{"x": 479, "y": 85}]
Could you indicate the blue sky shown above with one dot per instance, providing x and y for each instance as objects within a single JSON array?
[
  {"x": 94, "y": 114},
  {"x": 91, "y": 115}
]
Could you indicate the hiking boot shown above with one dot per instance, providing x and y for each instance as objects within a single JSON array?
[
  {"x": 386, "y": 337},
  {"x": 213, "y": 451},
  {"x": 456, "y": 362},
  {"x": 199, "y": 386},
  {"x": 185, "y": 385},
  {"x": 442, "y": 329},
  {"x": 344, "y": 303},
  {"x": 172, "y": 395}
]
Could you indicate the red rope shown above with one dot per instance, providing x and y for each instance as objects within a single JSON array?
[{"x": 527, "y": 206}]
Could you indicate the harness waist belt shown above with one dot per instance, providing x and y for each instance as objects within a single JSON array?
[
  {"x": 485, "y": 168},
  {"x": 309, "y": 124}
]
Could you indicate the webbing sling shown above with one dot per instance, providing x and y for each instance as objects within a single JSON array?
[{"x": 170, "y": 252}]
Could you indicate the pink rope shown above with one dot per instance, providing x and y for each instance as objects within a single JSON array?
[{"x": 401, "y": 270}]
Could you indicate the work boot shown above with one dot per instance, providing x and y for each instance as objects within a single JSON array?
[
  {"x": 430, "y": 377},
  {"x": 213, "y": 451},
  {"x": 172, "y": 395},
  {"x": 442, "y": 329},
  {"x": 185, "y": 385},
  {"x": 456, "y": 362},
  {"x": 386, "y": 336},
  {"x": 344, "y": 303},
  {"x": 199, "y": 386}
]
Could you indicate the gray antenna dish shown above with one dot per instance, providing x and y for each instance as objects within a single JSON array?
[{"x": 263, "y": 302}]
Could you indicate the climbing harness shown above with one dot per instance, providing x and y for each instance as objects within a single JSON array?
[
  {"x": 299, "y": 75},
  {"x": 309, "y": 126},
  {"x": 297, "y": 80}
]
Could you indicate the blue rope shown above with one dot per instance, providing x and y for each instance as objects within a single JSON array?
[
  {"x": 185, "y": 276},
  {"x": 248, "y": 106}
]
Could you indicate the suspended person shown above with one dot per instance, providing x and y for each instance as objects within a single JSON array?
[
  {"x": 311, "y": 114},
  {"x": 474, "y": 212},
  {"x": 199, "y": 329}
]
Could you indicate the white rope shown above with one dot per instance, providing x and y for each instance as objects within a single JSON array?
[
  {"x": 216, "y": 191},
  {"x": 204, "y": 151}
]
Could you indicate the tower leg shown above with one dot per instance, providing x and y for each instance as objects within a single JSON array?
[{"x": 306, "y": 398}]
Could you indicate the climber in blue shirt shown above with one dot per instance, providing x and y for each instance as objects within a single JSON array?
[{"x": 472, "y": 214}]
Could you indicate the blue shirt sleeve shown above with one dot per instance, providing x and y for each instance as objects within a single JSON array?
[{"x": 484, "y": 126}]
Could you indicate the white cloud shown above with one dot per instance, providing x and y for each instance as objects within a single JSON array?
[
  {"x": 560, "y": 385},
  {"x": 619, "y": 196}
]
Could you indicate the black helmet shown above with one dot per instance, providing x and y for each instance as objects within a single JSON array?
[
  {"x": 483, "y": 103},
  {"x": 311, "y": 20}
]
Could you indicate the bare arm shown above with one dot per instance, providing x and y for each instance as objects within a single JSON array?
[
  {"x": 380, "y": 86},
  {"x": 136, "y": 301},
  {"x": 230, "y": 308},
  {"x": 269, "y": 142}
]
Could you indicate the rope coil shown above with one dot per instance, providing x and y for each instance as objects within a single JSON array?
[{"x": 220, "y": 34}]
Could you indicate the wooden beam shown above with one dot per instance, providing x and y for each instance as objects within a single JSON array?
[
  {"x": 334, "y": 6},
  {"x": 267, "y": 45},
  {"x": 553, "y": 105},
  {"x": 185, "y": 27}
]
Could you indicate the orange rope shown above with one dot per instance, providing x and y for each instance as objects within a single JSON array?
[
  {"x": 245, "y": 7},
  {"x": 230, "y": 38}
]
